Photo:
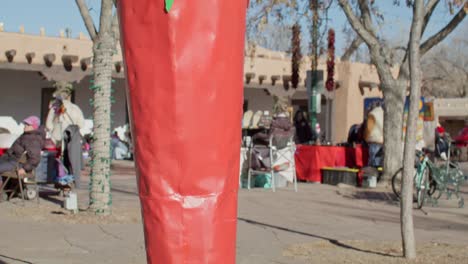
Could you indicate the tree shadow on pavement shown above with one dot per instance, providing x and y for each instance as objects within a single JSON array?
[
  {"x": 387, "y": 197},
  {"x": 11, "y": 258},
  {"x": 51, "y": 196},
  {"x": 370, "y": 195},
  {"x": 330, "y": 240},
  {"x": 124, "y": 191}
]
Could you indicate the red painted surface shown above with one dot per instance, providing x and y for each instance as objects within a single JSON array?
[
  {"x": 462, "y": 138},
  {"x": 57, "y": 150},
  {"x": 185, "y": 86},
  {"x": 311, "y": 159}
]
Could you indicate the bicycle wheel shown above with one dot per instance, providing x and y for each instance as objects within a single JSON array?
[
  {"x": 422, "y": 189},
  {"x": 432, "y": 184},
  {"x": 421, "y": 196},
  {"x": 397, "y": 180},
  {"x": 434, "y": 191}
]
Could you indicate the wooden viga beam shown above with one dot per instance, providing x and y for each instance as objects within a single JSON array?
[
  {"x": 249, "y": 76},
  {"x": 286, "y": 80},
  {"x": 10, "y": 55},
  {"x": 68, "y": 61},
  {"x": 49, "y": 59},
  {"x": 85, "y": 62},
  {"x": 30, "y": 56},
  {"x": 118, "y": 66},
  {"x": 275, "y": 78},
  {"x": 261, "y": 78}
]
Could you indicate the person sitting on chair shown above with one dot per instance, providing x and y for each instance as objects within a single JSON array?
[
  {"x": 31, "y": 141},
  {"x": 281, "y": 132},
  {"x": 119, "y": 150}
]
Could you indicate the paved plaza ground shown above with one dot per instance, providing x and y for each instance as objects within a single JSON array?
[{"x": 318, "y": 224}]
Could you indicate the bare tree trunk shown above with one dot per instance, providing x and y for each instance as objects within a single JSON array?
[
  {"x": 465, "y": 88},
  {"x": 407, "y": 227},
  {"x": 100, "y": 189},
  {"x": 394, "y": 97},
  {"x": 104, "y": 45},
  {"x": 394, "y": 91}
]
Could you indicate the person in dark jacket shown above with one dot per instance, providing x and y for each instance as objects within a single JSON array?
[
  {"x": 31, "y": 141},
  {"x": 281, "y": 132},
  {"x": 73, "y": 152},
  {"x": 304, "y": 133}
]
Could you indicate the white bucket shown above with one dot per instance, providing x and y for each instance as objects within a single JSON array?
[
  {"x": 372, "y": 181},
  {"x": 71, "y": 202},
  {"x": 369, "y": 182}
]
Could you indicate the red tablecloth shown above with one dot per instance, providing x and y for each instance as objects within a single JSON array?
[
  {"x": 3, "y": 150},
  {"x": 310, "y": 160}
]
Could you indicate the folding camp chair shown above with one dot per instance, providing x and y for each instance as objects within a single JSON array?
[
  {"x": 19, "y": 183},
  {"x": 279, "y": 157}
]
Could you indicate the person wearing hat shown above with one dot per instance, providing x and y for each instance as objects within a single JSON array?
[
  {"x": 281, "y": 131},
  {"x": 31, "y": 141},
  {"x": 63, "y": 113},
  {"x": 441, "y": 142}
]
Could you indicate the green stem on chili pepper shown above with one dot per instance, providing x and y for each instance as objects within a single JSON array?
[{"x": 169, "y": 4}]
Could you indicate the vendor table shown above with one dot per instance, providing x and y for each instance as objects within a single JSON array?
[
  {"x": 56, "y": 150},
  {"x": 311, "y": 159}
]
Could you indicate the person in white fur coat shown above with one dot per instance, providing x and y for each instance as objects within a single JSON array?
[
  {"x": 62, "y": 114},
  {"x": 373, "y": 135}
]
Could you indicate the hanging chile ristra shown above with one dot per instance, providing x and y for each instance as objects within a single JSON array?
[
  {"x": 330, "y": 84},
  {"x": 169, "y": 4},
  {"x": 296, "y": 54}
]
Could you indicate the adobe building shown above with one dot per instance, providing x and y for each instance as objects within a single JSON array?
[
  {"x": 29, "y": 65},
  {"x": 452, "y": 114}
]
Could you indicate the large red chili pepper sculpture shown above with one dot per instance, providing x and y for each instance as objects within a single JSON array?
[{"x": 185, "y": 89}]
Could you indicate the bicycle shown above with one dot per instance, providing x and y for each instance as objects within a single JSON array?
[
  {"x": 447, "y": 179},
  {"x": 422, "y": 182},
  {"x": 433, "y": 180}
]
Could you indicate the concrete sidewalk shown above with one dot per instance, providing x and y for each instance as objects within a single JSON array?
[{"x": 268, "y": 224}]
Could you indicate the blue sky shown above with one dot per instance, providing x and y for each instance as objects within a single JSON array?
[
  {"x": 53, "y": 15},
  {"x": 56, "y": 15}
]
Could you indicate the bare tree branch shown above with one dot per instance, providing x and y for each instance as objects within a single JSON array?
[
  {"x": 445, "y": 70},
  {"x": 366, "y": 20},
  {"x": 436, "y": 38},
  {"x": 377, "y": 51},
  {"x": 105, "y": 25},
  {"x": 429, "y": 9},
  {"x": 444, "y": 32},
  {"x": 366, "y": 16},
  {"x": 88, "y": 20},
  {"x": 403, "y": 48},
  {"x": 352, "y": 48},
  {"x": 362, "y": 31},
  {"x": 441, "y": 61},
  {"x": 115, "y": 24}
]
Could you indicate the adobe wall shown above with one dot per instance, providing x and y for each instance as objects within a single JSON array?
[{"x": 21, "y": 95}]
